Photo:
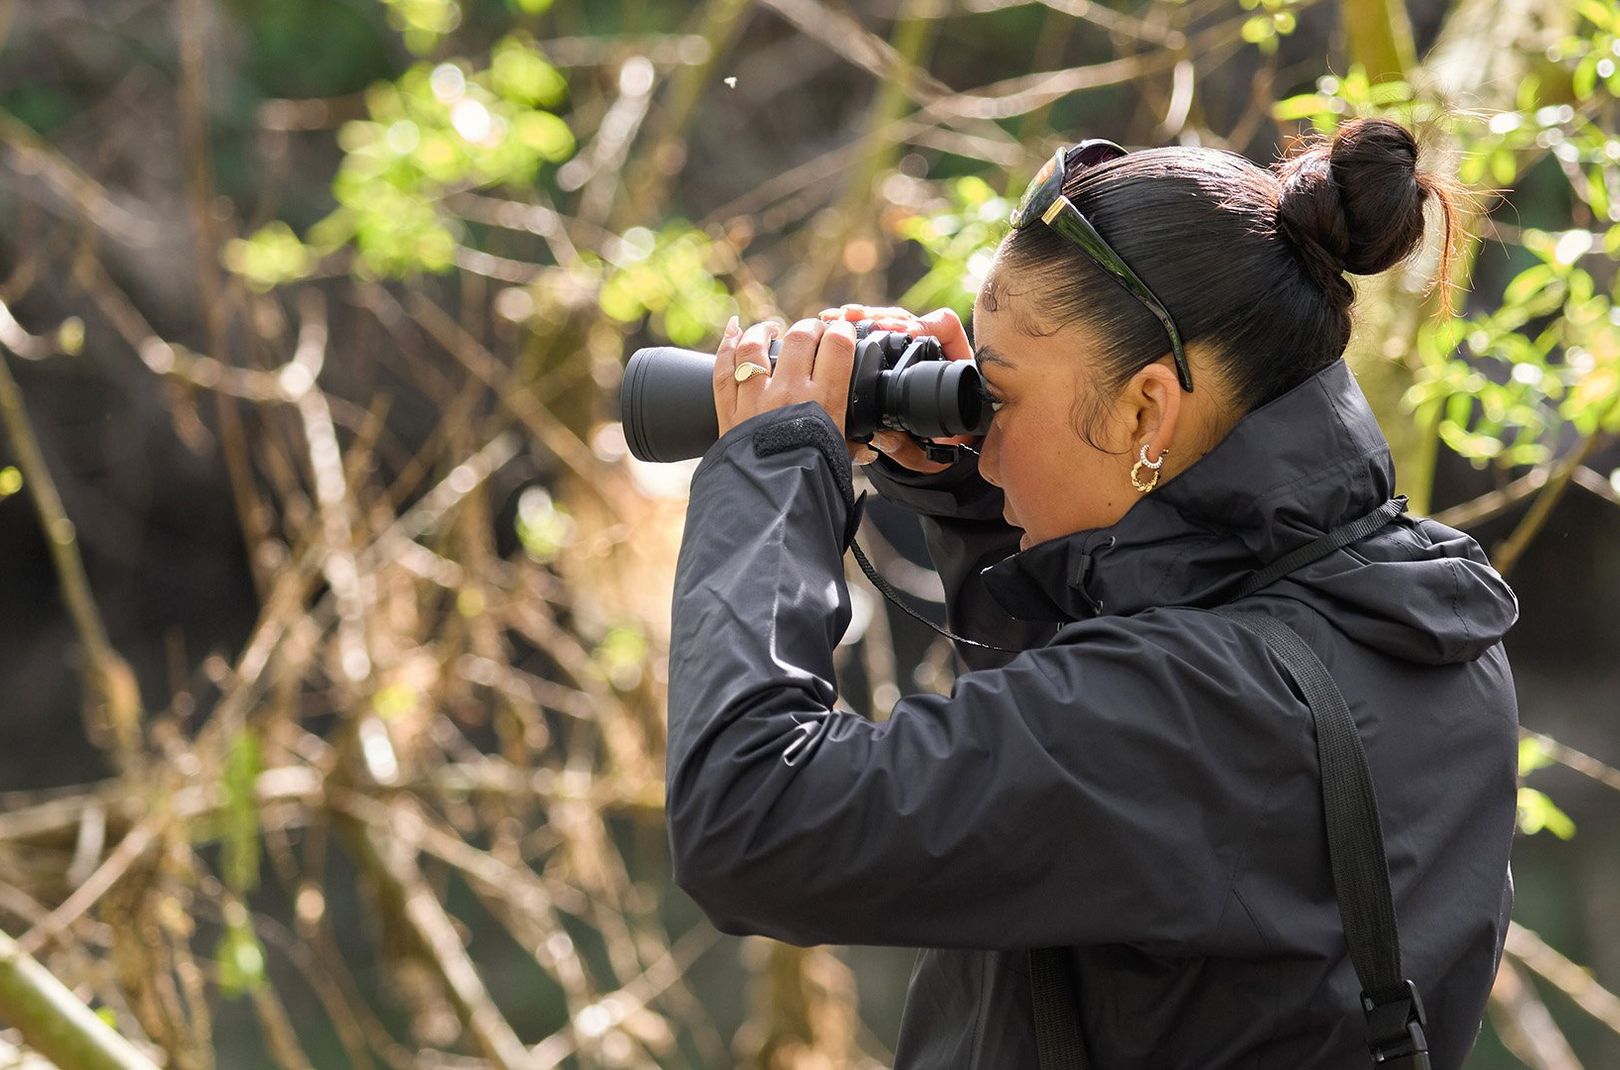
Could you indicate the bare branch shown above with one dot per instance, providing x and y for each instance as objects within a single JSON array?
[
  {"x": 111, "y": 682},
  {"x": 393, "y": 861},
  {"x": 130, "y": 850},
  {"x": 615, "y": 1007},
  {"x": 1579, "y": 761},
  {"x": 1572, "y": 980},
  {"x": 513, "y": 396},
  {"x": 30, "y": 155},
  {"x": 1513, "y": 547},
  {"x": 1015, "y": 96},
  {"x": 1098, "y": 15},
  {"x": 54, "y": 1022},
  {"x": 1525, "y": 1026}
]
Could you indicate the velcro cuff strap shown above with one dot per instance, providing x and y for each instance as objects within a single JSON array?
[{"x": 784, "y": 435}]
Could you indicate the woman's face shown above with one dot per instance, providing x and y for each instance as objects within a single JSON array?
[{"x": 1056, "y": 482}]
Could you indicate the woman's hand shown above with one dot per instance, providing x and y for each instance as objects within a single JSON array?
[
  {"x": 814, "y": 364},
  {"x": 942, "y": 324}
]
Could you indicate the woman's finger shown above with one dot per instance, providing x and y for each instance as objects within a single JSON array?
[
  {"x": 725, "y": 369},
  {"x": 797, "y": 359},
  {"x": 893, "y": 312},
  {"x": 945, "y": 325},
  {"x": 942, "y": 323},
  {"x": 835, "y": 361},
  {"x": 856, "y": 312},
  {"x": 754, "y": 347},
  {"x": 900, "y": 449}
]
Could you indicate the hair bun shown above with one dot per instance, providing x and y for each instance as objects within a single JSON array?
[{"x": 1354, "y": 204}]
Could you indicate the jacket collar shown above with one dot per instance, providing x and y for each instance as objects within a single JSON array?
[{"x": 1288, "y": 472}]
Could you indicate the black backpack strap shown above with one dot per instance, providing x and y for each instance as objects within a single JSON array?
[
  {"x": 1057, "y": 1011},
  {"x": 1395, "y": 1016},
  {"x": 1311, "y": 552}
]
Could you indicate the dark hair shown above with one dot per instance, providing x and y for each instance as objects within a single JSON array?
[{"x": 1248, "y": 259}]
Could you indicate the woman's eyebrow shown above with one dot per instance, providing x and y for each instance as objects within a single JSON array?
[{"x": 985, "y": 355}]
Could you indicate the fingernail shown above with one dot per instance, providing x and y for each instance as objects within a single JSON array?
[{"x": 732, "y": 327}]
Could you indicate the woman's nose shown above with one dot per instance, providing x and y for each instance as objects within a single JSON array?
[{"x": 990, "y": 457}]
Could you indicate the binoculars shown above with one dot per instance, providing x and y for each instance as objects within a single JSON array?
[{"x": 899, "y": 383}]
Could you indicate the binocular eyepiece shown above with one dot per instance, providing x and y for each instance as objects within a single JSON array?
[{"x": 899, "y": 383}]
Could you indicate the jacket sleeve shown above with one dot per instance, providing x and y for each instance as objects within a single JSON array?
[
  {"x": 1065, "y": 798},
  {"x": 962, "y": 522}
]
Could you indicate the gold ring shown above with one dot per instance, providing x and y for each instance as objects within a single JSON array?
[{"x": 748, "y": 369}]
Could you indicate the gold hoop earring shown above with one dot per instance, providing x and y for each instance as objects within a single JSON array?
[{"x": 1152, "y": 466}]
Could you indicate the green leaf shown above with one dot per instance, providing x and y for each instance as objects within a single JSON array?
[
  {"x": 1597, "y": 13},
  {"x": 1529, "y": 92},
  {"x": 1529, "y": 283},
  {"x": 1504, "y": 167},
  {"x": 1300, "y": 107},
  {"x": 271, "y": 257},
  {"x": 621, "y": 655},
  {"x": 1533, "y": 755},
  {"x": 422, "y": 22},
  {"x": 544, "y": 527},
  {"x": 1537, "y": 813},
  {"x": 240, "y": 959},
  {"x": 1597, "y": 193},
  {"x": 547, "y": 135},
  {"x": 519, "y": 72},
  {"x": 240, "y": 850},
  {"x": 1584, "y": 80},
  {"x": 1384, "y": 94},
  {"x": 1356, "y": 84}
]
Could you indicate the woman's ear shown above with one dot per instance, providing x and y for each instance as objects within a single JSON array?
[{"x": 1154, "y": 411}]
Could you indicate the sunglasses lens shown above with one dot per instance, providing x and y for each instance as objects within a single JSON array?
[
  {"x": 1043, "y": 174},
  {"x": 1094, "y": 151},
  {"x": 1028, "y": 205}
]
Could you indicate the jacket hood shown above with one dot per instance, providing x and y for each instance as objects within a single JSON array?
[{"x": 1287, "y": 473}]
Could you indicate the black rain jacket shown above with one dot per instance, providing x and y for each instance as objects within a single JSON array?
[{"x": 1138, "y": 786}]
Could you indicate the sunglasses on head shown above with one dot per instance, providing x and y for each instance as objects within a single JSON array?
[{"x": 1044, "y": 200}]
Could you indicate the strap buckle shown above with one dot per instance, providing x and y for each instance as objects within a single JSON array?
[
  {"x": 1395, "y": 1030},
  {"x": 940, "y": 452}
]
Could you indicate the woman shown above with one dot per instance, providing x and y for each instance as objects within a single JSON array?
[{"x": 1140, "y": 786}]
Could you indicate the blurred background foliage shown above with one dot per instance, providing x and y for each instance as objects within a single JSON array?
[{"x": 337, "y": 614}]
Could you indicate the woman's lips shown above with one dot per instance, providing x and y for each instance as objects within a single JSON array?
[{"x": 1024, "y": 541}]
